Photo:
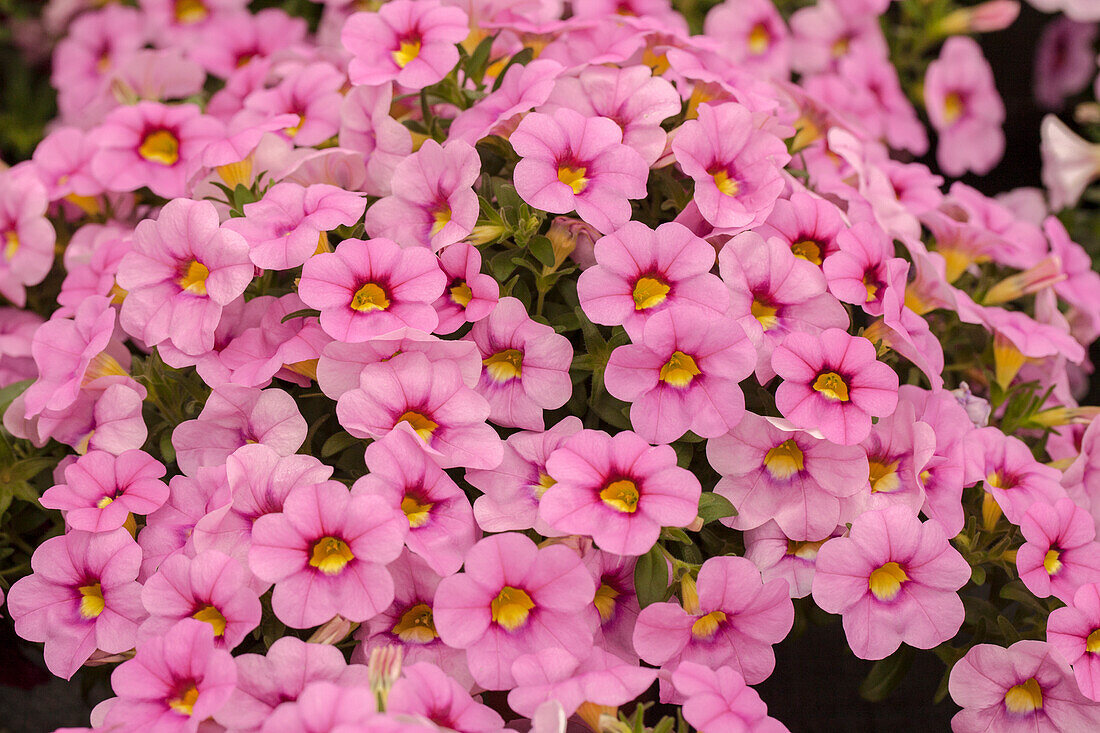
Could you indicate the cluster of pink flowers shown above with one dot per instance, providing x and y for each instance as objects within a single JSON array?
[{"x": 563, "y": 377}]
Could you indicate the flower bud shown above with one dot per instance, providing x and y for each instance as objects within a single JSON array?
[
  {"x": 991, "y": 16},
  {"x": 1043, "y": 275}
]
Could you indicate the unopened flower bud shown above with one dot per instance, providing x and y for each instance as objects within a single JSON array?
[
  {"x": 977, "y": 409},
  {"x": 1043, "y": 275},
  {"x": 333, "y": 631},
  {"x": 991, "y": 16},
  {"x": 572, "y": 237}
]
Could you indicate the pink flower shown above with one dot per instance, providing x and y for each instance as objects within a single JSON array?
[
  {"x": 326, "y": 554},
  {"x": 233, "y": 416},
  {"x": 183, "y": 269},
  {"x": 1026, "y": 687},
  {"x": 441, "y": 522},
  {"x": 719, "y": 699},
  {"x": 70, "y": 353},
  {"x": 470, "y": 295},
  {"x": 366, "y": 127},
  {"x": 412, "y": 43},
  {"x": 526, "y": 366},
  {"x": 807, "y": 224},
  {"x": 1070, "y": 163},
  {"x": 1060, "y": 553},
  {"x": 826, "y": 32},
  {"x": 366, "y": 289},
  {"x": 893, "y": 580},
  {"x": 425, "y": 690},
  {"x": 833, "y": 383},
  {"x": 409, "y": 622},
  {"x": 683, "y": 374},
  {"x": 101, "y": 490},
  {"x": 433, "y": 202},
  {"x": 266, "y": 682},
  {"x": 429, "y": 398},
  {"x": 169, "y": 529},
  {"x": 511, "y": 491},
  {"x": 857, "y": 273},
  {"x": 752, "y": 35},
  {"x": 1065, "y": 62},
  {"x": 773, "y": 292},
  {"x": 597, "y": 679},
  {"x": 210, "y": 587},
  {"x": 731, "y": 618},
  {"x": 1012, "y": 476},
  {"x": 82, "y": 596},
  {"x": 232, "y": 40},
  {"x": 524, "y": 87},
  {"x": 286, "y": 349},
  {"x": 616, "y": 601},
  {"x": 17, "y": 329},
  {"x": 513, "y": 599},
  {"x": 63, "y": 163},
  {"x": 285, "y": 227},
  {"x": 964, "y": 107},
  {"x": 619, "y": 490},
  {"x": 26, "y": 235},
  {"x": 777, "y": 556},
  {"x": 325, "y": 707},
  {"x": 736, "y": 166},
  {"x": 640, "y": 272},
  {"x": 237, "y": 318},
  {"x": 91, "y": 263},
  {"x": 770, "y": 472},
  {"x": 312, "y": 93},
  {"x": 569, "y": 161},
  {"x": 174, "y": 682},
  {"x": 633, "y": 97},
  {"x": 1072, "y": 631},
  {"x": 154, "y": 145}
]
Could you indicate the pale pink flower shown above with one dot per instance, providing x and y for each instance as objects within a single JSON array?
[
  {"x": 1060, "y": 552},
  {"x": 101, "y": 490},
  {"x": 719, "y": 699},
  {"x": 26, "y": 235},
  {"x": 470, "y": 295}
]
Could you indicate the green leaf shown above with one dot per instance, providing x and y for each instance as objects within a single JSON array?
[
  {"x": 543, "y": 251},
  {"x": 522, "y": 58},
  {"x": 665, "y": 726},
  {"x": 651, "y": 577},
  {"x": 9, "y": 393},
  {"x": 886, "y": 674},
  {"x": 675, "y": 534},
  {"x": 715, "y": 506},
  {"x": 479, "y": 60},
  {"x": 337, "y": 443},
  {"x": 301, "y": 313},
  {"x": 28, "y": 468}
]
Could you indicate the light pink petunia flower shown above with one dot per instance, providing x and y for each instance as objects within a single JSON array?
[
  {"x": 1065, "y": 61},
  {"x": 470, "y": 295},
  {"x": 310, "y": 93},
  {"x": 752, "y": 35},
  {"x": 807, "y": 224},
  {"x": 26, "y": 235},
  {"x": 1060, "y": 552},
  {"x": 425, "y": 690},
  {"x": 778, "y": 556},
  {"x": 101, "y": 490},
  {"x": 524, "y": 87},
  {"x": 1072, "y": 631},
  {"x": 367, "y": 127},
  {"x": 168, "y": 530},
  {"x": 893, "y": 580},
  {"x": 719, "y": 699},
  {"x": 1012, "y": 476},
  {"x": 597, "y": 679}
]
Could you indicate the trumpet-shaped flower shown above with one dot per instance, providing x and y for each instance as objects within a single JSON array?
[
  {"x": 26, "y": 235},
  {"x": 1072, "y": 631},
  {"x": 807, "y": 224},
  {"x": 168, "y": 530},
  {"x": 1060, "y": 552},
  {"x": 470, "y": 295},
  {"x": 598, "y": 680},
  {"x": 778, "y": 556},
  {"x": 425, "y": 690},
  {"x": 1012, "y": 476},
  {"x": 101, "y": 490},
  {"x": 524, "y": 87},
  {"x": 719, "y": 699}
]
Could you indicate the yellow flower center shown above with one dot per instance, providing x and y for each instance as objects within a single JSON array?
[
  {"x": 1092, "y": 643},
  {"x": 648, "y": 292},
  {"x": 505, "y": 365},
  {"x": 409, "y": 50},
  {"x": 884, "y": 475},
  {"x": 999, "y": 481},
  {"x": 422, "y": 424},
  {"x": 194, "y": 279},
  {"x": 885, "y": 582},
  {"x": 102, "y": 365},
  {"x": 11, "y": 244},
  {"x": 461, "y": 294},
  {"x": 331, "y": 555},
  {"x": 952, "y": 107},
  {"x": 759, "y": 39},
  {"x": 184, "y": 702},
  {"x": 294, "y": 129},
  {"x": 808, "y": 250},
  {"x": 573, "y": 177},
  {"x": 725, "y": 184},
  {"x": 765, "y": 314},
  {"x": 416, "y": 625},
  {"x": 545, "y": 482},
  {"x": 784, "y": 460},
  {"x": 831, "y": 386},
  {"x": 840, "y": 47},
  {"x": 511, "y": 607},
  {"x": 621, "y": 495},
  {"x": 190, "y": 11},
  {"x": 707, "y": 626},
  {"x": 1026, "y": 697},
  {"x": 117, "y": 294},
  {"x": 605, "y": 601},
  {"x": 1051, "y": 562},
  {"x": 440, "y": 218},
  {"x": 91, "y": 600},
  {"x": 306, "y": 367},
  {"x": 416, "y": 512},
  {"x": 679, "y": 370},
  {"x": 871, "y": 285},
  {"x": 160, "y": 147},
  {"x": 370, "y": 297},
  {"x": 804, "y": 550},
  {"x": 212, "y": 616}
]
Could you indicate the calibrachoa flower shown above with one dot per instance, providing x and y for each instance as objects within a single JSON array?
[
  {"x": 1012, "y": 476},
  {"x": 168, "y": 530},
  {"x": 585, "y": 685},
  {"x": 524, "y": 87},
  {"x": 832, "y": 382},
  {"x": 778, "y": 556},
  {"x": 367, "y": 289},
  {"x": 441, "y": 522},
  {"x": 736, "y": 166},
  {"x": 425, "y": 690},
  {"x": 470, "y": 295},
  {"x": 807, "y": 224},
  {"x": 857, "y": 271},
  {"x": 174, "y": 682},
  {"x": 526, "y": 366},
  {"x": 893, "y": 580},
  {"x": 513, "y": 599},
  {"x": 81, "y": 597},
  {"x": 568, "y": 161},
  {"x": 640, "y": 272},
  {"x": 730, "y": 617},
  {"x": 433, "y": 202},
  {"x": 1025, "y": 687},
  {"x": 682, "y": 374},
  {"x": 183, "y": 269},
  {"x": 28, "y": 236},
  {"x": 1060, "y": 552},
  {"x": 771, "y": 472},
  {"x": 311, "y": 94},
  {"x": 412, "y": 43},
  {"x": 326, "y": 553},
  {"x": 618, "y": 489},
  {"x": 719, "y": 699},
  {"x": 1072, "y": 630},
  {"x": 101, "y": 490}
]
